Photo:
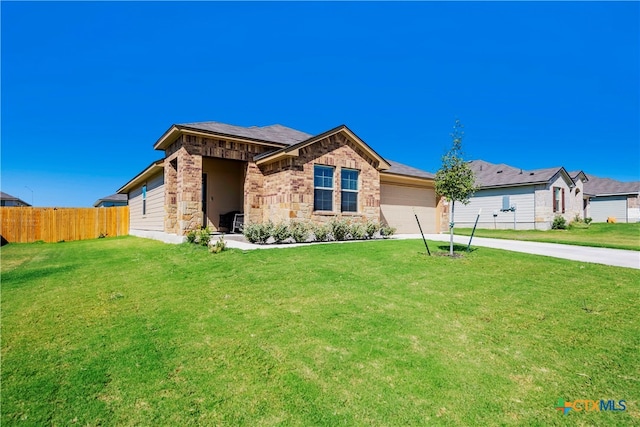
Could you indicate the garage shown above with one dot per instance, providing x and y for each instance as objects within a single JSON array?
[
  {"x": 601, "y": 208},
  {"x": 398, "y": 202}
]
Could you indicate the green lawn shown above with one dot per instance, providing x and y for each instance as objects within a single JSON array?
[
  {"x": 617, "y": 236},
  {"x": 128, "y": 331}
]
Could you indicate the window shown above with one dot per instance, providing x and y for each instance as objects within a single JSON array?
[
  {"x": 558, "y": 199},
  {"x": 322, "y": 188},
  {"x": 144, "y": 199},
  {"x": 349, "y": 193}
]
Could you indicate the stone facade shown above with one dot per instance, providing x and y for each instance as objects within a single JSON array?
[
  {"x": 183, "y": 176},
  {"x": 288, "y": 187},
  {"x": 278, "y": 191}
]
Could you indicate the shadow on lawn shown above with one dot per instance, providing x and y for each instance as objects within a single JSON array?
[
  {"x": 456, "y": 248},
  {"x": 17, "y": 277}
]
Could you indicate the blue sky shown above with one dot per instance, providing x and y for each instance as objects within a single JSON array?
[{"x": 87, "y": 88}]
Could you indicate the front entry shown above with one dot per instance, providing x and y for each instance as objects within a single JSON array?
[{"x": 222, "y": 190}]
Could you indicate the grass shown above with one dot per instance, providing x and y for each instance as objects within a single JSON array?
[
  {"x": 129, "y": 331},
  {"x": 617, "y": 236}
]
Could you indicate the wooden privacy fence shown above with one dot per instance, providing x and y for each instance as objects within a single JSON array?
[{"x": 26, "y": 225}]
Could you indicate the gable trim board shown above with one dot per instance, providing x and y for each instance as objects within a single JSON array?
[{"x": 294, "y": 150}]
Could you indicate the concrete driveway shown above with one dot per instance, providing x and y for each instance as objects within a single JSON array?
[{"x": 615, "y": 257}]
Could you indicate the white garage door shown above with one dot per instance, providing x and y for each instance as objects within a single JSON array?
[
  {"x": 612, "y": 206},
  {"x": 398, "y": 203}
]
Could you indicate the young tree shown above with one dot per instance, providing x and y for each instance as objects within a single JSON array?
[{"x": 455, "y": 180}]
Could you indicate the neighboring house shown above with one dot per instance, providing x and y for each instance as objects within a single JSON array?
[
  {"x": 522, "y": 199},
  {"x": 9, "y": 200},
  {"x": 609, "y": 198},
  {"x": 273, "y": 173},
  {"x": 112, "y": 200}
]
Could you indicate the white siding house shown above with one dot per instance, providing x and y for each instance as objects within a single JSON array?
[{"x": 512, "y": 198}]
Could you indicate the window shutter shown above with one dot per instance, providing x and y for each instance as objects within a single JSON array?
[{"x": 563, "y": 200}]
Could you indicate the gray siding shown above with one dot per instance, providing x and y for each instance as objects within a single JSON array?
[
  {"x": 490, "y": 201},
  {"x": 601, "y": 208},
  {"x": 154, "y": 218}
]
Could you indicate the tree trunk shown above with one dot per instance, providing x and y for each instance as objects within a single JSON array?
[{"x": 451, "y": 225}]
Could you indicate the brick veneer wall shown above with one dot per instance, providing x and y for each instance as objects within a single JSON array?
[
  {"x": 288, "y": 184},
  {"x": 278, "y": 191},
  {"x": 183, "y": 178}
]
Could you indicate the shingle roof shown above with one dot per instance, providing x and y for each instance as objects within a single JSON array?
[
  {"x": 273, "y": 133},
  {"x": 400, "y": 169},
  {"x": 596, "y": 186},
  {"x": 6, "y": 196},
  {"x": 112, "y": 198},
  {"x": 501, "y": 175}
]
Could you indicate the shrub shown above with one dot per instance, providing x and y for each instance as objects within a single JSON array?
[
  {"x": 281, "y": 232},
  {"x": 299, "y": 231},
  {"x": 358, "y": 231},
  {"x": 578, "y": 223},
  {"x": 321, "y": 232},
  {"x": 371, "y": 228},
  {"x": 204, "y": 236},
  {"x": 218, "y": 246},
  {"x": 339, "y": 228},
  {"x": 559, "y": 223},
  {"x": 386, "y": 231},
  {"x": 191, "y": 236},
  {"x": 258, "y": 233}
]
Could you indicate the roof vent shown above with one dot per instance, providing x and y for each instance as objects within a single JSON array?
[
  {"x": 520, "y": 171},
  {"x": 499, "y": 172},
  {"x": 530, "y": 173}
]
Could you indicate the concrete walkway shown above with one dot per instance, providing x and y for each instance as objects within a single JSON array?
[{"x": 614, "y": 257}]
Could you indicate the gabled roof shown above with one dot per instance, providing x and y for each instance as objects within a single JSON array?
[
  {"x": 578, "y": 175},
  {"x": 147, "y": 173},
  {"x": 596, "y": 186},
  {"x": 285, "y": 142},
  {"x": 277, "y": 135},
  {"x": 112, "y": 198},
  {"x": 292, "y": 150},
  {"x": 489, "y": 175},
  {"x": 6, "y": 196}
]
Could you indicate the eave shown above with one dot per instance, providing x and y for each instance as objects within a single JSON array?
[
  {"x": 143, "y": 176},
  {"x": 176, "y": 130},
  {"x": 394, "y": 178},
  {"x": 294, "y": 150}
]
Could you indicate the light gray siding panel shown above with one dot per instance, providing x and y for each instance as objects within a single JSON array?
[
  {"x": 601, "y": 208},
  {"x": 490, "y": 201},
  {"x": 154, "y": 218}
]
